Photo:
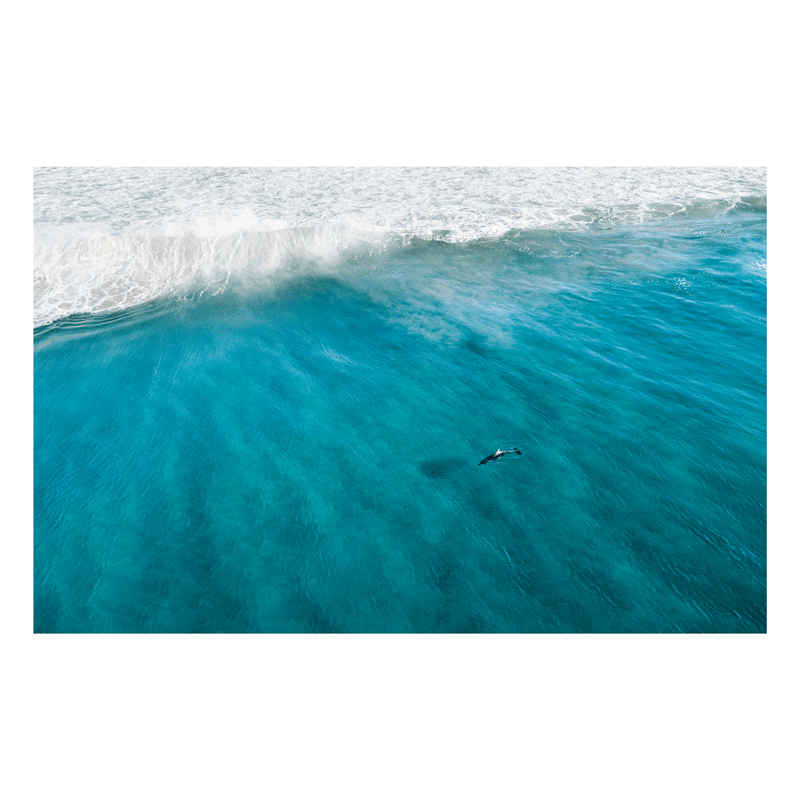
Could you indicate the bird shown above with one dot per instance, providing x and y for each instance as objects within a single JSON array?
[{"x": 499, "y": 454}]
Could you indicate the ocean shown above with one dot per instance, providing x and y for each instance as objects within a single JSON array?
[{"x": 261, "y": 397}]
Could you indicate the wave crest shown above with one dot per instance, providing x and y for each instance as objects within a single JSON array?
[
  {"x": 98, "y": 271},
  {"x": 106, "y": 273}
]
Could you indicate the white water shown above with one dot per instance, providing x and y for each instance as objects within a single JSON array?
[{"x": 108, "y": 238}]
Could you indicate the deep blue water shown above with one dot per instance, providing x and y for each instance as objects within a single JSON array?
[{"x": 301, "y": 454}]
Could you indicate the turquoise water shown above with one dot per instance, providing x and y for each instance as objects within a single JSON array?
[{"x": 298, "y": 452}]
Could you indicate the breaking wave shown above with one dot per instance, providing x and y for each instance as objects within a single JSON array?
[{"x": 106, "y": 240}]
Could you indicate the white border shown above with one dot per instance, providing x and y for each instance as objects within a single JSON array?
[{"x": 439, "y": 83}]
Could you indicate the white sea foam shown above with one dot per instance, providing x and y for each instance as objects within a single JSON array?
[
  {"x": 109, "y": 238},
  {"x": 113, "y": 272}
]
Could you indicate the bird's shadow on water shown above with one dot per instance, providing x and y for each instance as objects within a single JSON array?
[{"x": 442, "y": 467}]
